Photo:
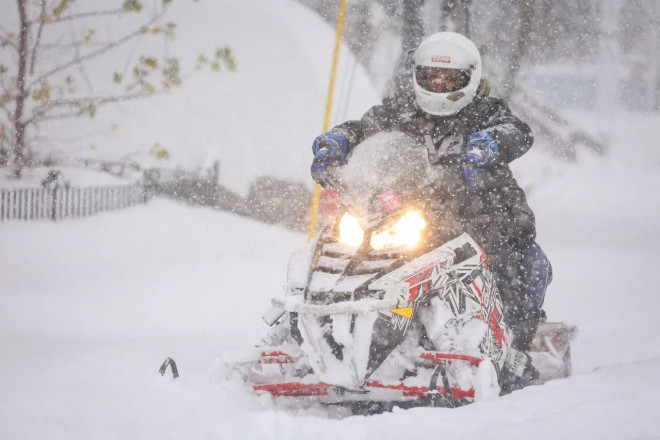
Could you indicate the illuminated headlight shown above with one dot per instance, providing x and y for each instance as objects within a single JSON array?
[
  {"x": 350, "y": 231},
  {"x": 407, "y": 231}
]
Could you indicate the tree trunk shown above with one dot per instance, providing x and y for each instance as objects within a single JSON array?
[
  {"x": 654, "y": 82},
  {"x": 456, "y": 16},
  {"x": 21, "y": 93},
  {"x": 413, "y": 31},
  {"x": 608, "y": 82},
  {"x": 656, "y": 93},
  {"x": 521, "y": 48}
]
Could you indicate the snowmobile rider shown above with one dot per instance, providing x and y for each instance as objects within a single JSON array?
[{"x": 450, "y": 109}]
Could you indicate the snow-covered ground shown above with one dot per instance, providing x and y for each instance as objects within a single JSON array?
[{"x": 90, "y": 308}]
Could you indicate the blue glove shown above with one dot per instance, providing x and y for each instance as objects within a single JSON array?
[
  {"x": 480, "y": 150},
  {"x": 329, "y": 149}
]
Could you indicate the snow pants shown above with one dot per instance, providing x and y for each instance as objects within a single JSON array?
[{"x": 522, "y": 278}]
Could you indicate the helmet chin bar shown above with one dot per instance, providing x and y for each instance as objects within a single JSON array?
[{"x": 443, "y": 104}]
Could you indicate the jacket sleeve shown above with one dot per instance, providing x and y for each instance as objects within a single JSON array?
[
  {"x": 514, "y": 137},
  {"x": 378, "y": 118}
]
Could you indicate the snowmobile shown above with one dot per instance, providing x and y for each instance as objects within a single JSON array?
[{"x": 392, "y": 304}]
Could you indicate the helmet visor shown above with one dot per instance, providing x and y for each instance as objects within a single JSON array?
[{"x": 441, "y": 80}]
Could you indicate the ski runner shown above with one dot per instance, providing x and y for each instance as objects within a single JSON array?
[{"x": 449, "y": 109}]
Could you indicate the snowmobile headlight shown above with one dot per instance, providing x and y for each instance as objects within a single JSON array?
[
  {"x": 407, "y": 231},
  {"x": 350, "y": 231}
]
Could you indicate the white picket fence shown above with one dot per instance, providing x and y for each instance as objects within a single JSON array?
[{"x": 67, "y": 203}]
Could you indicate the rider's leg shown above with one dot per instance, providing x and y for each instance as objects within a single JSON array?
[
  {"x": 537, "y": 274},
  {"x": 523, "y": 282},
  {"x": 526, "y": 310}
]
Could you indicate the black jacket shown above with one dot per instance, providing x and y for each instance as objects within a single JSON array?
[
  {"x": 486, "y": 113},
  {"x": 496, "y": 213}
]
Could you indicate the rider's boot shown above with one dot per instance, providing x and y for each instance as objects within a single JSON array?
[{"x": 518, "y": 371}]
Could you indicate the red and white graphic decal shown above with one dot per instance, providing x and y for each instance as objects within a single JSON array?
[
  {"x": 389, "y": 201},
  {"x": 483, "y": 260},
  {"x": 496, "y": 328},
  {"x": 420, "y": 281},
  {"x": 441, "y": 59}
]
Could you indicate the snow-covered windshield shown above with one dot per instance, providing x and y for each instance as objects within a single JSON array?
[{"x": 386, "y": 161}]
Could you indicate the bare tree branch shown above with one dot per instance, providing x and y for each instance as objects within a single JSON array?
[
  {"x": 97, "y": 100},
  {"x": 59, "y": 116},
  {"x": 80, "y": 67},
  {"x": 64, "y": 139},
  {"x": 74, "y": 45},
  {"x": 6, "y": 110},
  {"x": 56, "y": 117},
  {"x": 42, "y": 19},
  {"x": 83, "y": 73},
  {"x": 41, "y": 113},
  {"x": 4, "y": 87},
  {"x": 100, "y": 51},
  {"x": 48, "y": 54},
  {"x": 29, "y": 98},
  {"x": 84, "y": 15},
  {"x": 131, "y": 55}
]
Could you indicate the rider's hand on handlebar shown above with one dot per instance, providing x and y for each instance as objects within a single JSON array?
[
  {"x": 481, "y": 149},
  {"x": 329, "y": 149}
]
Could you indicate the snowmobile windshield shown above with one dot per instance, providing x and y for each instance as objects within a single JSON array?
[{"x": 387, "y": 163}]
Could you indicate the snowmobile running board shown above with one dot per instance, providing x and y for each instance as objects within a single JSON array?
[
  {"x": 297, "y": 389},
  {"x": 438, "y": 358},
  {"x": 390, "y": 392}
]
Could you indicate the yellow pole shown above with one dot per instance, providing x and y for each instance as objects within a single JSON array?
[{"x": 316, "y": 196}]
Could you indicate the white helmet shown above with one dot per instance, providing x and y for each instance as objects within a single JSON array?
[{"x": 446, "y": 74}]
